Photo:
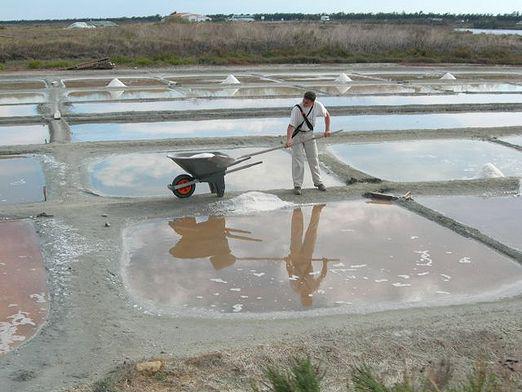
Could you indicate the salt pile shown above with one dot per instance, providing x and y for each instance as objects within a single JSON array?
[
  {"x": 116, "y": 83},
  {"x": 249, "y": 203},
  {"x": 448, "y": 76},
  {"x": 489, "y": 170},
  {"x": 343, "y": 78},
  {"x": 231, "y": 79}
]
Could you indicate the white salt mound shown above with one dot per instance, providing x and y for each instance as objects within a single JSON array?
[
  {"x": 489, "y": 170},
  {"x": 231, "y": 79},
  {"x": 249, "y": 203},
  {"x": 116, "y": 83},
  {"x": 343, "y": 78},
  {"x": 448, "y": 76}
]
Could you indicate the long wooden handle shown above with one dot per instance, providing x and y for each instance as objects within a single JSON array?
[{"x": 281, "y": 147}]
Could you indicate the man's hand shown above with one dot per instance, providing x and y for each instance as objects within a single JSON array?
[
  {"x": 289, "y": 143},
  {"x": 327, "y": 133}
]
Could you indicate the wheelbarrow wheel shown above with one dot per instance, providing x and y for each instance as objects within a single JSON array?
[{"x": 184, "y": 192}]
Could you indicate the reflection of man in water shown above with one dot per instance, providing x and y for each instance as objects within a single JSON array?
[
  {"x": 299, "y": 262},
  {"x": 202, "y": 240}
]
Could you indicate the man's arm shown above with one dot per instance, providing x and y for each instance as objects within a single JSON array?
[
  {"x": 327, "y": 121},
  {"x": 289, "y": 133}
]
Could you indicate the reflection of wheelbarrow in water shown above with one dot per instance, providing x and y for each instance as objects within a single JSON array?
[{"x": 210, "y": 167}]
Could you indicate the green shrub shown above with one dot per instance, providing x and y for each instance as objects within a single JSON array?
[{"x": 298, "y": 376}]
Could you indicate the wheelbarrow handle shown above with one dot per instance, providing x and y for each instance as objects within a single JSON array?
[
  {"x": 243, "y": 167},
  {"x": 281, "y": 147}
]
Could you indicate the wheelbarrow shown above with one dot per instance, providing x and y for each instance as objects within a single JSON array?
[{"x": 210, "y": 167}]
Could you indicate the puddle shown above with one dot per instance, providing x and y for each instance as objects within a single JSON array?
[
  {"x": 147, "y": 174},
  {"x": 277, "y": 126},
  {"x": 131, "y": 82},
  {"x": 76, "y": 96},
  {"x": 361, "y": 89},
  {"x": 376, "y": 257},
  {"x": 18, "y": 110},
  {"x": 26, "y": 134},
  {"x": 179, "y": 129},
  {"x": 24, "y": 296},
  {"x": 481, "y": 87},
  {"x": 516, "y": 140},
  {"x": 214, "y": 79},
  {"x": 491, "y": 31},
  {"x": 17, "y": 98},
  {"x": 497, "y": 217},
  {"x": 21, "y": 180},
  {"x": 429, "y": 160},
  {"x": 22, "y": 84},
  {"x": 245, "y": 103},
  {"x": 243, "y": 92}
]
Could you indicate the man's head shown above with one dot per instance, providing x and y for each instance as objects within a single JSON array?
[{"x": 309, "y": 99}]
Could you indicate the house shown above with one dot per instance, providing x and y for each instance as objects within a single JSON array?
[
  {"x": 186, "y": 16},
  {"x": 325, "y": 18}
]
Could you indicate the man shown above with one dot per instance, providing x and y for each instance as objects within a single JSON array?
[{"x": 298, "y": 135}]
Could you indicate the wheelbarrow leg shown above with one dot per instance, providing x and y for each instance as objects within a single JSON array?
[{"x": 217, "y": 185}]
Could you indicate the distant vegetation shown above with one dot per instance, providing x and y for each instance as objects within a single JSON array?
[
  {"x": 473, "y": 20},
  {"x": 147, "y": 44}
]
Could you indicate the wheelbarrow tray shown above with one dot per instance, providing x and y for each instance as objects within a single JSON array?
[{"x": 200, "y": 167}]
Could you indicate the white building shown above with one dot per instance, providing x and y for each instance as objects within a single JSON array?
[
  {"x": 187, "y": 16},
  {"x": 325, "y": 18}
]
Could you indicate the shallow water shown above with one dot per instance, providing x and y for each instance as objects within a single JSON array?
[
  {"x": 21, "y": 180},
  {"x": 277, "y": 126},
  {"x": 23, "y": 134},
  {"x": 103, "y": 82},
  {"x": 147, "y": 174},
  {"x": 245, "y": 103},
  {"x": 237, "y": 91},
  {"x": 360, "y": 89},
  {"x": 481, "y": 87},
  {"x": 429, "y": 160},
  {"x": 498, "y": 217},
  {"x": 23, "y": 294},
  {"x": 17, "y": 98},
  {"x": 342, "y": 257},
  {"x": 492, "y": 31},
  {"x": 76, "y": 96},
  {"x": 214, "y": 79},
  {"x": 18, "y": 110}
]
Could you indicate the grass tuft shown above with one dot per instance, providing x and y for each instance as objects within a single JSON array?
[{"x": 298, "y": 376}]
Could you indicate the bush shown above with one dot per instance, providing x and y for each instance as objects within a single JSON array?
[{"x": 301, "y": 376}]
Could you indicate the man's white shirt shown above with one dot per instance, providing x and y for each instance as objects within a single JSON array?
[{"x": 296, "y": 118}]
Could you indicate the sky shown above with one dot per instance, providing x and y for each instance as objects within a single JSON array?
[{"x": 62, "y": 9}]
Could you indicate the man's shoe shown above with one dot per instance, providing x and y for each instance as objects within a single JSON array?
[
  {"x": 321, "y": 187},
  {"x": 297, "y": 190}
]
